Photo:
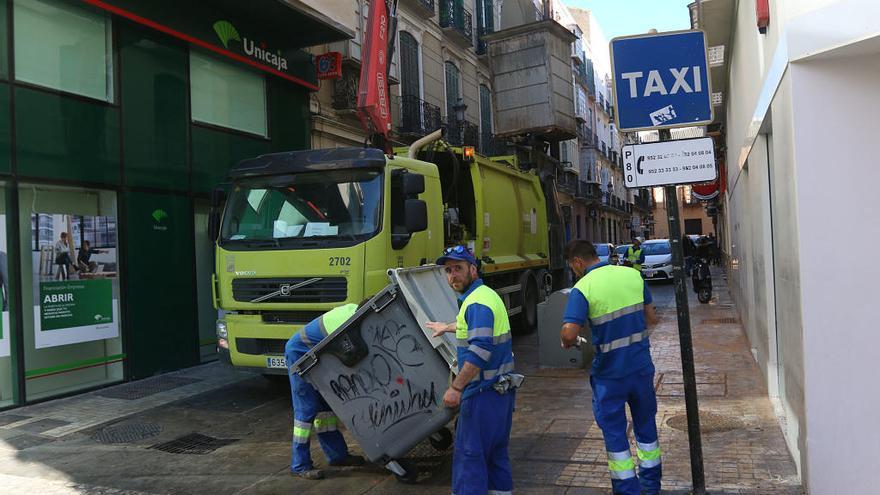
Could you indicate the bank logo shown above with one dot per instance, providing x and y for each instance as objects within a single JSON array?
[
  {"x": 226, "y": 31},
  {"x": 159, "y": 215},
  {"x": 99, "y": 318}
]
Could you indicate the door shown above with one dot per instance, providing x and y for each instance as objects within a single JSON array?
[{"x": 162, "y": 310}]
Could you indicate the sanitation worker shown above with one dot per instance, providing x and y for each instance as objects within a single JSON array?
[
  {"x": 616, "y": 303},
  {"x": 634, "y": 255},
  {"x": 310, "y": 411},
  {"x": 485, "y": 386}
]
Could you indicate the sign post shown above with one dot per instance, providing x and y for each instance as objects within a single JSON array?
[{"x": 661, "y": 81}]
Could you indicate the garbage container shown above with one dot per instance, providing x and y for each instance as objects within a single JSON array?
[
  {"x": 383, "y": 378},
  {"x": 550, "y": 353}
]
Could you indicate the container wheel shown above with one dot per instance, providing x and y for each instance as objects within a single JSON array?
[
  {"x": 704, "y": 295},
  {"x": 441, "y": 439},
  {"x": 411, "y": 472}
]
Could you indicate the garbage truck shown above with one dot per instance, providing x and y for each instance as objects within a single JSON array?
[{"x": 299, "y": 233}]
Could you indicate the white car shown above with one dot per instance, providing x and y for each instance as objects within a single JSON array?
[
  {"x": 603, "y": 250},
  {"x": 658, "y": 259}
]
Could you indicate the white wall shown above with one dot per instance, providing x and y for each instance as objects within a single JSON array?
[{"x": 839, "y": 302}]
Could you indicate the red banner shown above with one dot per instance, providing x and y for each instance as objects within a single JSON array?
[{"x": 373, "y": 108}]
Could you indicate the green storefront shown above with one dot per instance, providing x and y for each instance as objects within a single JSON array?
[{"x": 117, "y": 119}]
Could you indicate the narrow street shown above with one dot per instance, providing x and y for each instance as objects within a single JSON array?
[{"x": 208, "y": 430}]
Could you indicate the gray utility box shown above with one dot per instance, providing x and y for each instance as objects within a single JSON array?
[
  {"x": 532, "y": 80},
  {"x": 550, "y": 352},
  {"x": 382, "y": 376}
]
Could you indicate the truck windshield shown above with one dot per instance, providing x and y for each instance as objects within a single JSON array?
[{"x": 335, "y": 204}]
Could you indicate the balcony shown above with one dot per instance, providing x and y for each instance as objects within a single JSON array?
[
  {"x": 462, "y": 133},
  {"x": 345, "y": 90},
  {"x": 567, "y": 182},
  {"x": 422, "y": 8},
  {"x": 585, "y": 134},
  {"x": 588, "y": 191},
  {"x": 418, "y": 118},
  {"x": 457, "y": 23}
]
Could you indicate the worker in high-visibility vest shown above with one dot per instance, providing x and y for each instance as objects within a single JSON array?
[
  {"x": 310, "y": 410},
  {"x": 485, "y": 385},
  {"x": 635, "y": 257},
  {"x": 617, "y": 304}
]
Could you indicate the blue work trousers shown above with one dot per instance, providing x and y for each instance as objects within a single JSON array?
[
  {"x": 610, "y": 396},
  {"x": 307, "y": 404},
  {"x": 480, "y": 463}
]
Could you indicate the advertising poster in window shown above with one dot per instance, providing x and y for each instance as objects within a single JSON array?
[
  {"x": 75, "y": 273},
  {"x": 4, "y": 290}
]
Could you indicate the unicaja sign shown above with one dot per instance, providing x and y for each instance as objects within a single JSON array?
[{"x": 226, "y": 32}]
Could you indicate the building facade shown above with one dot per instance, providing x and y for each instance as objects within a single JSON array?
[
  {"x": 798, "y": 86},
  {"x": 118, "y": 119}
]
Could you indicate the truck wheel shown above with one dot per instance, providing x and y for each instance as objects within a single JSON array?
[{"x": 545, "y": 285}]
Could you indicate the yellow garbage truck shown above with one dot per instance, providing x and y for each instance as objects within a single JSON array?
[{"x": 299, "y": 233}]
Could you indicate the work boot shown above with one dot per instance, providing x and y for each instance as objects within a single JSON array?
[
  {"x": 349, "y": 460},
  {"x": 309, "y": 474}
]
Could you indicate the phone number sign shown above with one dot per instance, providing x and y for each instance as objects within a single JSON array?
[{"x": 686, "y": 161}]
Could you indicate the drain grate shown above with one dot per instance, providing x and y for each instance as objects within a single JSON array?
[
  {"x": 145, "y": 388},
  {"x": 709, "y": 423},
  {"x": 194, "y": 443},
  {"x": 127, "y": 432},
  {"x": 720, "y": 321}
]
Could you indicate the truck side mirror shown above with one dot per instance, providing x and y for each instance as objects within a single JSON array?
[
  {"x": 413, "y": 184},
  {"x": 416, "y": 212},
  {"x": 215, "y": 215}
]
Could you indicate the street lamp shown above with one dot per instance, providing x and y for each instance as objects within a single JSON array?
[{"x": 460, "y": 108}]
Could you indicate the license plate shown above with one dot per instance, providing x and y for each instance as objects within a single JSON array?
[
  {"x": 275, "y": 362},
  {"x": 649, "y": 273}
]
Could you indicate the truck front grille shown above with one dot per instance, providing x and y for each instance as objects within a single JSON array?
[
  {"x": 290, "y": 317},
  {"x": 281, "y": 290}
]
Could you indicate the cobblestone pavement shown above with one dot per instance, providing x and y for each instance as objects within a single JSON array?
[{"x": 105, "y": 442}]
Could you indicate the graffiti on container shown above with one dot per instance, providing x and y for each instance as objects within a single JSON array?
[
  {"x": 389, "y": 386},
  {"x": 392, "y": 340}
]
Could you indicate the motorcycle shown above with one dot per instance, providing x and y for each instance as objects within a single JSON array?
[{"x": 701, "y": 279}]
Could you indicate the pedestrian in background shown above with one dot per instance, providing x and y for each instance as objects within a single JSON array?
[
  {"x": 485, "y": 385},
  {"x": 616, "y": 303},
  {"x": 687, "y": 248}
]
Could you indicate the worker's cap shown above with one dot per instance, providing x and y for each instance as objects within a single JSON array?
[{"x": 457, "y": 253}]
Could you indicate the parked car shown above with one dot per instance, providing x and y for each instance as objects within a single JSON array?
[
  {"x": 620, "y": 254},
  {"x": 658, "y": 259},
  {"x": 604, "y": 250}
]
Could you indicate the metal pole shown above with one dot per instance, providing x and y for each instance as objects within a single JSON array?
[{"x": 684, "y": 336}]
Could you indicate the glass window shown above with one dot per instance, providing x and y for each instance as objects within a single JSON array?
[
  {"x": 227, "y": 95},
  {"x": 63, "y": 47},
  {"x": 70, "y": 286},
  {"x": 289, "y": 209},
  {"x": 655, "y": 248},
  {"x": 7, "y": 384}
]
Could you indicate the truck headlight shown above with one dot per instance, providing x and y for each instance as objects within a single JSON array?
[{"x": 221, "y": 330}]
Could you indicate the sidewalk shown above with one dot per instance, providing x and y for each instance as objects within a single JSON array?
[{"x": 111, "y": 441}]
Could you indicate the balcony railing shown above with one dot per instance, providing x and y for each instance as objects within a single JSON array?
[
  {"x": 493, "y": 146},
  {"x": 417, "y": 117},
  {"x": 585, "y": 134},
  {"x": 345, "y": 91},
  {"x": 567, "y": 182},
  {"x": 462, "y": 133},
  {"x": 457, "y": 21}
]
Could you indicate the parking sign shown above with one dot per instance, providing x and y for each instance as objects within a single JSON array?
[{"x": 661, "y": 81}]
